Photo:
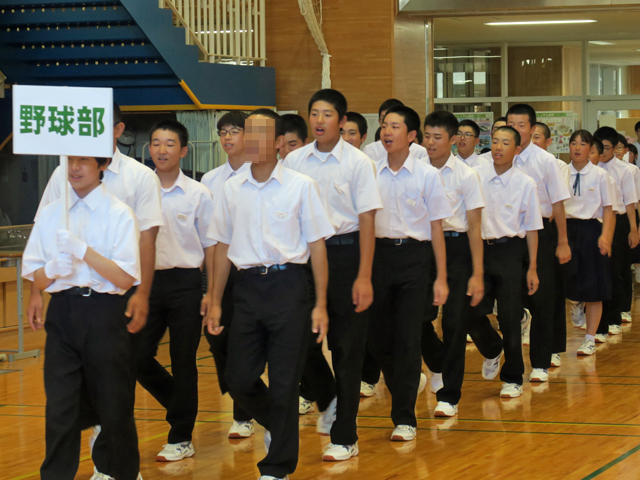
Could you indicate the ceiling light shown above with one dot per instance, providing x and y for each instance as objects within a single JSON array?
[
  {"x": 598, "y": 42},
  {"x": 541, "y": 22}
]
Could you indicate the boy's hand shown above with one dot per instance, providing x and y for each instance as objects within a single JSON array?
[
  {"x": 60, "y": 266},
  {"x": 362, "y": 293},
  {"x": 633, "y": 238},
  {"x": 320, "y": 322},
  {"x": 532, "y": 281},
  {"x": 563, "y": 253},
  {"x": 212, "y": 320},
  {"x": 34, "y": 310},
  {"x": 69, "y": 243},
  {"x": 604, "y": 244},
  {"x": 440, "y": 292},
  {"x": 205, "y": 305},
  {"x": 475, "y": 290},
  {"x": 137, "y": 310}
]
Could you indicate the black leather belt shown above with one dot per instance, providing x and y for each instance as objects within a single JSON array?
[
  {"x": 262, "y": 270},
  {"x": 345, "y": 239},
  {"x": 398, "y": 241},
  {"x": 75, "y": 292},
  {"x": 454, "y": 234},
  {"x": 496, "y": 241}
]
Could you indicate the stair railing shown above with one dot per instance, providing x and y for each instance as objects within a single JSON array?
[{"x": 225, "y": 31}]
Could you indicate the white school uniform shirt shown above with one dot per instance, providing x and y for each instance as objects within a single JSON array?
[
  {"x": 187, "y": 209},
  {"x": 214, "y": 179},
  {"x": 270, "y": 223},
  {"x": 635, "y": 172},
  {"x": 474, "y": 160},
  {"x": 486, "y": 156},
  {"x": 376, "y": 151},
  {"x": 625, "y": 186},
  {"x": 129, "y": 181},
  {"x": 346, "y": 180},
  {"x": 512, "y": 207},
  {"x": 413, "y": 197},
  {"x": 462, "y": 187},
  {"x": 564, "y": 171},
  {"x": 543, "y": 168},
  {"x": 99, "y": 219},
  {"x": 588, "y": 197}
]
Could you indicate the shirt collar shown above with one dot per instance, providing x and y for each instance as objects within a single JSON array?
[
  {"x": 526, "y": 153},
  {"x": 470, "y": 158},
  {"x": 116, "y": 160},
  {"x": 450, "y": 163},
  {"x": 408, "y": 164},
  {"x": 337, "y": 151},
  {"x": 181, "y": 182},
  {"x": 505, "y": 177},
  {"x": 586, "y": 169},
  {"x": 229, "y": 172},
  {"x": 92, "y": 200},
  {"x": 277, "y": 174}
]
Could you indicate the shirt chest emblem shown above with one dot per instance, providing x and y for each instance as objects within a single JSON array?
[
  {"x": 411, "y": 202},
  {"x": 182, "y": 217}
]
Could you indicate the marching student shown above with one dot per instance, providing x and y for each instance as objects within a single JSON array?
[
  {"x": 269, "y": 221},
  {"x": 409, "y": 224},
  {"x": 350, "y": 197},
  {"x": 295, "y": 134},
  {"x": 355, "y": 130},
  {"x": 376, "y": 151},
  {"x": 497, "y": 123},
  {"x": 621, "y": 150},
  {"x": 231, "y": 130},
  {"x": 625, "y": 236},
  {"x": 542, "y": 138},
  {"x": 176, "y": 295},
  {"x": 588, "y": 273},
  {"x": 463, "y": 240},
  {"x": 468, "y": 138},
  {"x": 86, "y": 269},
  {"x": 512, "y": 212},
  {"x": 553, "y": 190}
]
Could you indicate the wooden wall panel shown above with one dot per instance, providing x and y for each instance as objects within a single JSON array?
[
  {"x": 410, "y": 62},
  {"x": 633, "y": 76},
  {"x": 540, "y": 76}
]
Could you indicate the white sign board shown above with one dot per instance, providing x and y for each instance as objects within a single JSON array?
[{"x": 63, "y": 121}]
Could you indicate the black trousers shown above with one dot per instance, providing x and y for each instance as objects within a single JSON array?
[
  {"x": 270, "y": 325},
  {"x": 559, "y": 343},
  {"x": 88, "y": 349},
  {"x": 174, "y": 304},
  {"x": 219, "y": 344},
  {"x": 620, "y": 260},
  {"x": 503, "y": 272},
  {"x": 317, "y": 383},
  {"x": 370, "y": 368},
  {"x": 400, "y": 279}
]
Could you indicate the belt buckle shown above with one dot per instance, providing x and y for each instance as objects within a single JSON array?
[
  {"x": 398, "y": 242},
  {"x": 264, "y": 270},
  {"x": 87, "y": 294},
  {"x": 491, "y": 241}
]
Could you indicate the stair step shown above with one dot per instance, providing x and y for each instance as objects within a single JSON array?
[
  {"x": 101, "y": 70},
  {"x": 117, "y": 52},
  {"x": 102, "y": 15},
  {"x": 49, "y": 4},
  {"x": 74, "y": 34}
]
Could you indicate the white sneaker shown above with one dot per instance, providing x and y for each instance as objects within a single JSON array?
[
  {"x": 403, "y": 433},
  {"x": 326, "y": 419},
  {"x": 422, "y": 384},
  {"x": 269, "y": 477},
  {"x": 436, "y": 382},
  {"x": 95, "y": 431},
  {"x": 100, "y": 476},
  {"x": 267, "y": 441},
  {"x": 626, "y": 316},
  {"x": 338, "y": 453},
  {"x": 539, "y": 375},
  {"x": 305, "y": 406},
  {"x": 525, "y": 325},
  {"x": 588, "y": 347},
  {"x": 241, "y": 429},
  {"x": 577, "y": 314},
  {"x": 511, "y": 390},
  {"x": 556, "y": 360},
  {"x": 491, "y": 367},
  {"x": 602, "y": 337},
  {"x": 444, "y": 409},
  {"x": 638, "y": 275},
  {"x": 615, "y": 329},
  {"x": 173, "y": 452},
  {"x": 367, "y": 389},
  {"x": 469, "y": 339}
]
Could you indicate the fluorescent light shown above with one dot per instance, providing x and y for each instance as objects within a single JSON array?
[
  {"x": 468, "y": 56},
  {"x": 541, "y": 22},
  {"x": 598, "y": 42}
]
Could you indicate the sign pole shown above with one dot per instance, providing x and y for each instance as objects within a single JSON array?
[{"x": 64, "y": 190}]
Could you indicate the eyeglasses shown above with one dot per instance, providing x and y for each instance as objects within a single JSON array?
[
  {"x": 619, "y": 147},
  {"x": 607, "y": 148},
  {"x": 233, "y": 132},
  {"x": 466, "y": 135}
]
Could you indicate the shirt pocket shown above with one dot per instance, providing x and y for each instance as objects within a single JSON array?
[
  {"x": 412, "y": 204},
  {"x": 184, "y": 222},
  {"x": 340, "y": 196},
  {"x": 282, "y": 223}
]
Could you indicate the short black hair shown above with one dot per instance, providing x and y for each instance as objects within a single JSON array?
[
  {"x": 545, "y": 130},
  {"x": 360, "y": 121},
  {"x": 294, "y": 123},
  {"x": 102, "y": 161},
  {"x": 377, "y": 135},
  {"x": 637, "y": 127},
  {"x": 235, "y": 118},
  {"x": 598, "y": 144},
  {"x": 420, "y": 137},
  {"x": 470, "y": 123},
  {"x": 633, "y": 149},
  {"x": 607, "y": 133},
  {"x": 444, "y": 119},
  {"x": 333, "y": 97},
  {"x": 623, "y": 140},
  {"x": 513, "y": 131},
  {"x": 117, "y": 114},
  {"x": 584, "y": 135},
  {"x": 523, "y": 109},
  {"x": 172, "y": 126},
  {"x": 265, "y": 112},
  {"x": 499, "y": 119},
  {"x": 390, "y": 103},
  {"x": 409, "y": 115}
]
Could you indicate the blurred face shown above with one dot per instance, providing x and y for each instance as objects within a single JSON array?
[
  {"x": 84, "y": 174},
  {"x": 351, "y": 134},
  {"x": 325, "y": 122},
  {"x": 523, "y": 126},
  {"x": 579, "y": 150},
  {"x": 260, "y": 139},
  {"x": 539, "y": 139},
  {"x": 620, "y": 150},
  {"x": 438, "y": 143},
  {"x": 608, "y": 153},
  {"x": 497, "y": 125},
  {"x": 166, "y": 151},
  {"x": 291, "y": 142},
  {"x": 232, "y": 140},
  {"x": 503, "y": 148},
  {"x": 394, "y": 134},
  {"x": 594, "y": 156},
  {"x": 467, "y": 141}
]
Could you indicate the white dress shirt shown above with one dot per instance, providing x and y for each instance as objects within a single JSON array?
[
  {"x": 543, "y": 168},
  {"x": 512, "y": 206},
  {"x": 635, "y": 172},
  {"x": 564, "y": 171},
  {"x": 589, "y": 194},
  {"x": 187, "y": 208},
  {"x": 474, "y": 160},
  {"x": 346, "y": 180},
  {"x": 270, "y": 223},
  {"x": 100, "y": 220},
  {"x": 462, "y": 186},
  {"x": 413, "y": 197},
  {"x": 214, "y": 179},
  {"x": 486, "y": 156},
  {"x": 129, "y": 181},
  {"x": 376, "y": 151},
  {"x": 625, "y": 186}
]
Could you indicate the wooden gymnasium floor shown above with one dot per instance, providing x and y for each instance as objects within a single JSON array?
[{"x": 583, "y": 424}]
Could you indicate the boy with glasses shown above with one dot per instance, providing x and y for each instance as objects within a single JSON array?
[{"x": 468, "y": 139}]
